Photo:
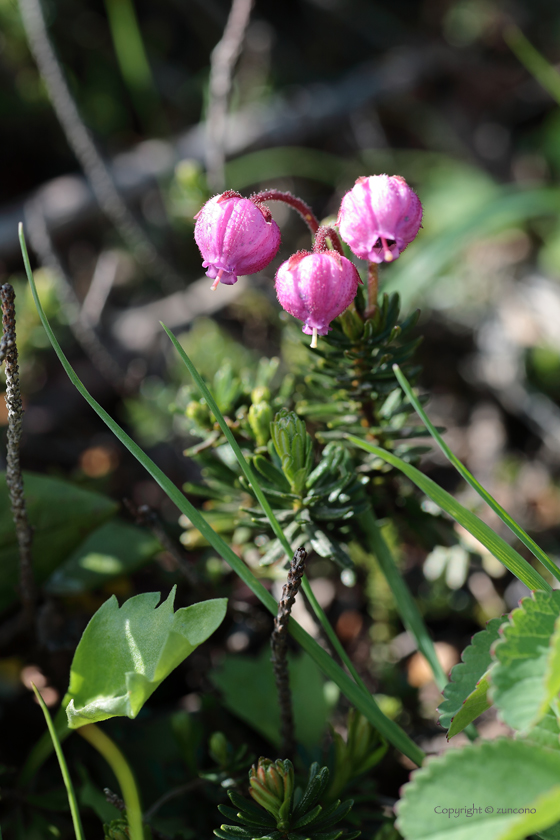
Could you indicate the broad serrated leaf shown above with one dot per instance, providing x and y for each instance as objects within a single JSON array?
[
  {"x": 126, "y": 652},
  {"x": 61, "y": 515},
  {"x": 546, "y": 733},
  {"x": 475, "y": 661},
  {"x": 476, "y": 703},
  {"x": 482, "y": 782},
  {"x": 526, "y": 677}
]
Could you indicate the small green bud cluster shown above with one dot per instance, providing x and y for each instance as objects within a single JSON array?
[
  {"x": 294, "y": 447},
  {"x": 272, "y": 786},
  {"x": 260, "y": 417},
  {"x": 116, "y": 830}
]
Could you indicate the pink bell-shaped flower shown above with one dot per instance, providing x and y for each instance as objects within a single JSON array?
[
  {"x": 379, "y": 217},
  {"x": 235, "y": 236},
  {"x": 316, "y": 288}
]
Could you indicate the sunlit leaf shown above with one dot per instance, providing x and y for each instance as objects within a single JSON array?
[
  {"x": 526, "y": 676},
  {"x": 464, "y": 678},
  {"x": 126, "y": 652},
  {"x": 488, "y": 785}
]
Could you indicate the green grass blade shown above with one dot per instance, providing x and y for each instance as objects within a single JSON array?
[
  {"x": 479, "y": 529},
  {"x": 484, "y": 494},
  {"x": 44, "y": 746},
  {"x": 354, "y": 693},
  {"x": 263, "y": 501},
  {"x": 406, "y": 605},
  {"x": 78, "y": 830},
  {"x": 537, "y": 65},
  {"x": 131, "y": 56}
]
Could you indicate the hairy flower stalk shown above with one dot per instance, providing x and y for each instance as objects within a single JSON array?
[{"x": 235, "y": 236}]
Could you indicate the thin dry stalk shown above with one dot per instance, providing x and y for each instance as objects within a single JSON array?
[
  {"x": 224, "y": 55},
  {"x": 82, "y": 144},
  {"x": 85, "y": 335},
  {"x": 279, "y": 644},
  {"x": 14, "y": 479}
]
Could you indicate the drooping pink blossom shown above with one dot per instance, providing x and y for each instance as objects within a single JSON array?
[
  {"x": 235, "y": 236},
  {"x": 316, "y": 288},
  {"x": 379, "y": 217}
]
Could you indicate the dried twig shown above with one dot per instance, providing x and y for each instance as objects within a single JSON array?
[
  {"x": 100, "y": 287},
  {"x": 41, "y": 242},
  {"x": 279, "y": 644},
  {"x": 14, "y": 480},
  {"x": 114, "y": 799},
  {"x": 83, "y": 146},
  {"x": 224, "y": 55},
  {"x": 147, "y": 517}
]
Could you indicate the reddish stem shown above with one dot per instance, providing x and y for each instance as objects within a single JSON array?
[
  {"x": 300, "y": 206},
  {"x": 321, "y": 237},
  {"x": 372, "y": 289}
]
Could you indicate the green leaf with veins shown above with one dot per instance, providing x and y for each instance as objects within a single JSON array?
[
  {"x": 465, "y": 677},
  {"x": 126, "y": 652},
  {"x": 546, "y": 733},
  {"x": 496, "y": 777},
  {"x": 526, "y": 676}
]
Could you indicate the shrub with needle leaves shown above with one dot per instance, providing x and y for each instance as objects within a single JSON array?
[{"x": 286, "y": 813}]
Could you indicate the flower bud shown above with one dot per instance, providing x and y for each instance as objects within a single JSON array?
[
  {"x": 379, "y": 217},
  {"x": 272, "y": 786},
  {"x": 260, "y": 394},
  {"x": 235, "y": 236},
  {"x": 219, "y": 749},
  {"x": 198, "y": 413},
  {"x": 294, "y": 446},
  {"x": 260, "y": 417},
  {"x": 316, "y": 288}
]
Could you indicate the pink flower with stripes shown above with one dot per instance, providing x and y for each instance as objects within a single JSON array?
[
  {"x": 236, "y": 236},
  {"x": 379, "y": 217}
]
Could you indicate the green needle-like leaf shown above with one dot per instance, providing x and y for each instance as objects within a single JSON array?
[
  {"x": 511, "y": 788},
  {"x": 479, "y": 529},
  {"x": 484, "y": 494},
  {"x": 526, "y": 676},
  {"x": 279, "y": 432},
  {"x": 354, "y": 692},
  {"x": 126, "y": 652}
]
